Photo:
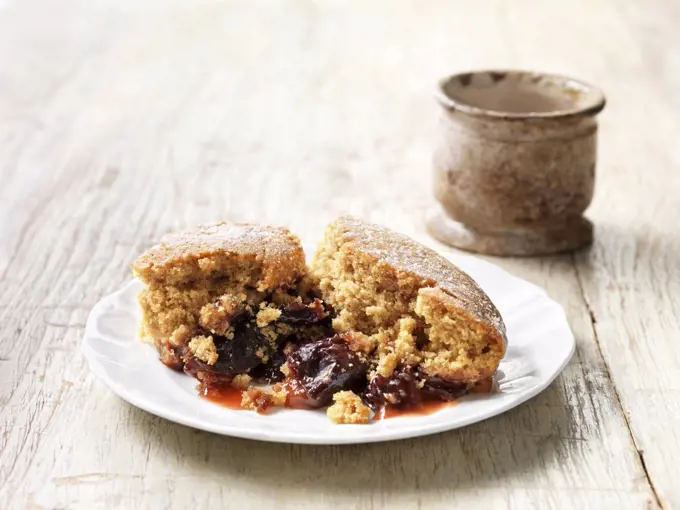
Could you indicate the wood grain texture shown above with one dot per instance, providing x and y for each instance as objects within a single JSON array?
[{"x": 122, "y": 120}]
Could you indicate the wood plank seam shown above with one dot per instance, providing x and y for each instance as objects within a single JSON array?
[{"x": 626, "y": 418}]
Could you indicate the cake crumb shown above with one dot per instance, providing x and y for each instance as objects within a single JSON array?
[
  {"x": 378, "y": 313},
  {"x": 267, "y": 314},
  {"x": 180, "y": 336},
  {"x": 359, "y": 342},
  {"x": 285, "y": 369},
  {"x": 405, "y": 343},
  {"x": 256, "y": 399},
  {"x": 203, "y": 348},
  {"x": 271, "y": 333},
  {"x": 262, "y": 354},
  {"x": 348, "y": 408},
  {"x": 216, "y": 316},
  {"x": 279, "y": 395},
  {"x": 261, "y": 399},
  {"x": 241, "y": 381},
  {"x": 387, "y": 364}
]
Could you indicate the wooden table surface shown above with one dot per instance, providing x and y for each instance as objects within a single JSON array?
[{"x": 123, "y": 120}]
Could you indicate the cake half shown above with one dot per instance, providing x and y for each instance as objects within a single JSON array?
[
  {"x": 223, "y": 300},
  {"x": 427, "y": 328}
]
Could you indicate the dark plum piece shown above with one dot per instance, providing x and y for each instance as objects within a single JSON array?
[
  {"x": 270, "y": 372},
  {"x": 399, "y": 390},
  {"x": 171, "y": 356},
  {"x": 421, "y": 338},
  {"x": 301, "y": 314},
  {"x": 205, "y": 373},
  {"x": 208, "y": 378},
  {"x": 441, "y": 389},
  {"x": 325, "y": 367},
  {"x": 240, "y": 354}
]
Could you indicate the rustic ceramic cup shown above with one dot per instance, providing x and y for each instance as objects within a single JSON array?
[{"x": 515, "y": 164}]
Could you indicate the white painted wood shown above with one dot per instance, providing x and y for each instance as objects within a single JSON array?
[{"x": 122, "y": 120}]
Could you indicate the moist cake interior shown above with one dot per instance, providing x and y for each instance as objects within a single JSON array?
[{"x": 361, "y": 329}]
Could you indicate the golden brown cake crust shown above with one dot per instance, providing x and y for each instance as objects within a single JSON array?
[
  {"x": 198, "y": 278},
  {"x": 399, "y": 253},
  {"x": 211, "y": 250}
]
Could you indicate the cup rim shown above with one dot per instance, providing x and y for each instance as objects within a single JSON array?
[{"x": 593, "y": 104}]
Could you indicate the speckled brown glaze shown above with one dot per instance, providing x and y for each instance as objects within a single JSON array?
[
  {"x": 274, "y": 253},
  {"x": 515, "y": 166}
]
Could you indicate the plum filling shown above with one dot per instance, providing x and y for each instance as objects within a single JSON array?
[
  {"x": 320, "y": 363},
  {"x": 270, "y": 372},
  {"x": 407, "y": 387},
  {"x": 325, "y": 367},
  {"x": 304, "y": 314},
  {"x": 171, "y": 356},
  {"x": 249, "y": 350},
  {"x": 236, "y": 356},
  {"x": 399, "y": 390},
  {"x": 243, "y": 352},
  {"x": 441, "y": 389}
]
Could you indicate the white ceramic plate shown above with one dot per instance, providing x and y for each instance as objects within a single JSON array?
[{"x": 540, "y": 345}]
